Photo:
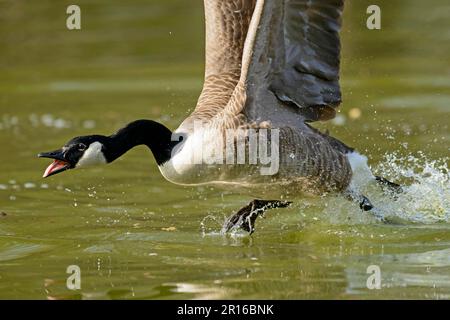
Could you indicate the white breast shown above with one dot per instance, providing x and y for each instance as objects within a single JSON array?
[{"x": 362, "y": 174}]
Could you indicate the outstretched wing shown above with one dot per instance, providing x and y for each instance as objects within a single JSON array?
[
  {"x": 271, "y": 59},
  {"x": 226, "y": 24},
  {"x": 293, "y": 57}
]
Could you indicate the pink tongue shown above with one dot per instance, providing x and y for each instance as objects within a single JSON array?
[{"x": 55, "y": 165}]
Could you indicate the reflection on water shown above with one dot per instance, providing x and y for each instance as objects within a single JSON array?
[
  {"x": 427, "y": 272},
  {"x": 134, "y": 235}
]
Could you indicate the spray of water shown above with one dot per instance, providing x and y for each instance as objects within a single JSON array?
[
  {"x": 426, "y": 188},
  {"x": 425, "y": 197}
]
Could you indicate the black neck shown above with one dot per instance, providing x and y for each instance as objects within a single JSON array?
[{"x": 141, "y": 132}]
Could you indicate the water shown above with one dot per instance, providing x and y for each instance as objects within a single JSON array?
[{"x": 135, "y": 235}]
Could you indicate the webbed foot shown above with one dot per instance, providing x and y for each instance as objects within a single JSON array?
[
  {"x": 245, "y": 218},
  {"x": 366, "y": 205}
]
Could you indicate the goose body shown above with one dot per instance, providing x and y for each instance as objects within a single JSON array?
[
  {"x": 239, "y": 94},
  {"x": 272, "y": 67},
  {"x": 308, "y": 164}
]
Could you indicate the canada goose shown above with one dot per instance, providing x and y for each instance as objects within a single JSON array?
[{"x": 272, "y": 66}]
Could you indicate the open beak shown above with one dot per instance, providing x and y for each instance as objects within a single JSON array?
[{"x": 58, "y": 165}]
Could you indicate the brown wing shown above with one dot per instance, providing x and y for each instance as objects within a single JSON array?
[
  {"x": 227, "y": 23},
  {"x": 271, "y": 59},
  {"x": 294, "y": 59}
]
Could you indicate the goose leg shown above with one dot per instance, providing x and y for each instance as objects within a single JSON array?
[
  {"x": 245, "y": 218},
  {"x": 386, "y": 184},
  {"x": 365, "y": 204}
]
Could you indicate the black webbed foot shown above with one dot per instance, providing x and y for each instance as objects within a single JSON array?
[
  {"x": 365, "y": 204},
  {"x": 245, "y": 218}
]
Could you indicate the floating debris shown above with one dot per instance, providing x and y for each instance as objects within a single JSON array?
[
  {"x": 89, "y": 124},
  {"x": 29, "y": 185},
  {"x": 354, "y": 113},
  {"x": 49, "y": 282},
  {"x": 169, "y": 229},
  {"x": 12, "y": 122}
]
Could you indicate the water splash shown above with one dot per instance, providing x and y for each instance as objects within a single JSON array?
[
  {"x": 212, "y": 226},
  {"x": 425, "y": 198},
  {"x": 426, "y": 189}
]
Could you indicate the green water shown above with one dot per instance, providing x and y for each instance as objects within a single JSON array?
[{"x": 134, "y": 235}]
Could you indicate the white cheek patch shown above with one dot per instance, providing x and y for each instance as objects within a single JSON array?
[{"x": 92, "y": 156}]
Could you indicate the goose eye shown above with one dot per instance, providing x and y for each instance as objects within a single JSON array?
[{"x": 81, "y": 147}]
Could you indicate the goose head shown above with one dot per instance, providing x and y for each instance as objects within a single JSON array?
[
  {"x": 77, "y": 153},
  {"x": 93, "y": 150}
]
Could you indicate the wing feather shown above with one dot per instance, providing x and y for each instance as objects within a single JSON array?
[
  {"x": 296, "y": 57},
  {"x": 271, "y": 60}
]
